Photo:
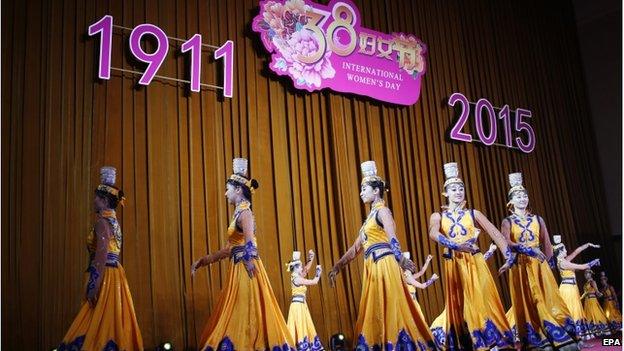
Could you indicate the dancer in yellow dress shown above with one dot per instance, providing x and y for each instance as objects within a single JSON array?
[
  {"x": 106, "y": 321},
  {"x": 610, "y": 304},
  {"x": 247, "y": 315},
  {"x": 597, "y": 321},
  {"x": 568, "y": 289},
  {"x": 473, "y": 318},
  {"x": 541, "y": 317},
  {"x": 387, "y": 315},
  {"x": 411, "y": 279},
  {"x": 300, "y": 322}
]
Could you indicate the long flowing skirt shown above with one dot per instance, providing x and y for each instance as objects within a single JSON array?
[
  {"x": 473, "y": 318},
  {"x": 247, "y": 316},
  {"x": 597, "y": 321},
  {"x": 302, "y": 328},
  {"x": 572, "y": 298},
  {"x": 541, "y": 317},
  {"x": 613, "y": 315},
  {"x": 388, "y": 319},
  {"x": 109, "y": 325}
]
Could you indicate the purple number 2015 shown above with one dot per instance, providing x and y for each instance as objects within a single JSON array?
[
  {"x": 520, "y": 126},
  {"x": 456, "y": 132}
]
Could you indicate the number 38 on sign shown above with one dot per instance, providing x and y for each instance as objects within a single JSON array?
[{"x": 487, "y": 133}]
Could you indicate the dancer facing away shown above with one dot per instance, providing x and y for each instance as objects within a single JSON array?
[
  {"x": 106, "y": 320},
  {"x": 473, "y": 317},
  {"x": 597, "y": 321},
  {"x": 387, "y": 315},
  {"x": 610, "y": 304},
  {"x": 411, "y": 278},
  {"x": 541, "y": 317},
  {"x": 568, "y": 289},
  {"x": 247, "y": 315},
  {"x": 300, "y": 322}
]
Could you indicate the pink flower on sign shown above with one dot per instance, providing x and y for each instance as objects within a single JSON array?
[
  {"x": 302, "y": 43},
  {"x": 282, "y": 28}
]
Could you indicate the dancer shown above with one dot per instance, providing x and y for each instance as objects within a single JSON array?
[
  {"x": 106, "y": 320},
  {"x": 247, "y": 316},
  {"x": 387, "y": 315},
  {"x": 541, "y": 317},
  {"x": 568, "y": 289},
  {"x": 610, "y": 304},
  {"x": 597, "y": 321},
  {"x": 300, "y": 322},
  {"x": 473, "y": 317},
  {"x": 411, "y": 278}
]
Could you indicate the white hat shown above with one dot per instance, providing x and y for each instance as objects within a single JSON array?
[
  {"x": 296, "y": 259},
  {"x": 239, "y": 166},
  {"x": 108, "y": 175},
  {"x": 557, "y": 242},
  {"x": 451, "y": 173},
  {"x": 369, "y": 172},
  {"x": 515, "y": 182},
  {"x": 407, "y": 255}
]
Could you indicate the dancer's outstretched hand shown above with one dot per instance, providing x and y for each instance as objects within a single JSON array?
[
  {"x": 197, "y": 264},
  {"x": 504, "y": 268},
  {"x": 332, "y": 276}
]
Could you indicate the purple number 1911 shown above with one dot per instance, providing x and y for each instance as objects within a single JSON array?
[
  {"x": 154, "y": 60},
  {"x": 520, "y": 126}
]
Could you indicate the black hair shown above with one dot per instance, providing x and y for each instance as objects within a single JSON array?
[
  {"x": 246, "y": 190},
  {"x": 381, "y": 185},
  {"x": 558, "y": 251},
  {"x": 112, "y": 200}
]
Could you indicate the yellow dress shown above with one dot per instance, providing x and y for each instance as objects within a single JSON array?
[
  {"x": 473, "y": 317},
  {"x": 412, "y": 291},
  {"x": 247, "y": 315},
  {"x": 111, "y": 324},
  {"x": 388, "y": 317},
  {"x": 570, "y": 294},
  {"x": 300, "y": 322},
  {"x": 611, "y": 311},
  {"x": 597, "y": 322},
  {"x": 541, "y": 316}
]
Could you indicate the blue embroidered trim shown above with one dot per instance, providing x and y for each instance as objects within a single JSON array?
[
  {"x": 568, "y": 281},
  {"x": 93, "y": 277},
  {"x": 299, "y": 298},
  {"x": 251, "y": 251},
  {"x": 447, "y": 242},
  {"x": 237, "y": 254},
  {"x": 404, "y": 342},
  {"x": 227, "y": 345},
  {"x": 552, "y": 262},
  {"x": 489, "y": 337},
  {"x": 76, "y": 345},
  {"x": 306, "y": 345},
  {"x": 526, "y": 250},
  {"x": 525, "y": 229},
  {"x": 378, "y": 251},
  {"x": 396, "y": 248},
  {"x": 488, "y": 254},
  {"x": 456, "y": 223}
]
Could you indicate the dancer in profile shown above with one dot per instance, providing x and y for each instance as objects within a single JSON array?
[
  {"x": 541, "y": 317},
  {"x": 473, "y": 317},
  {"x": 247, "y": 316},
  {"x": 610, "y": 305},
  {"x": 568, "y": 289},
  {"x": 387, "y": 315},
  {"x": 597, "y": 321},
  {"x": 411, "y": 279},
  {"x": 106, "y": 320},
  {"x": 300, "y": 322}
]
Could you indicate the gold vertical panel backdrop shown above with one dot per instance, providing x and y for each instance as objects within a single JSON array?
[{"x": 173, "y": 150}]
